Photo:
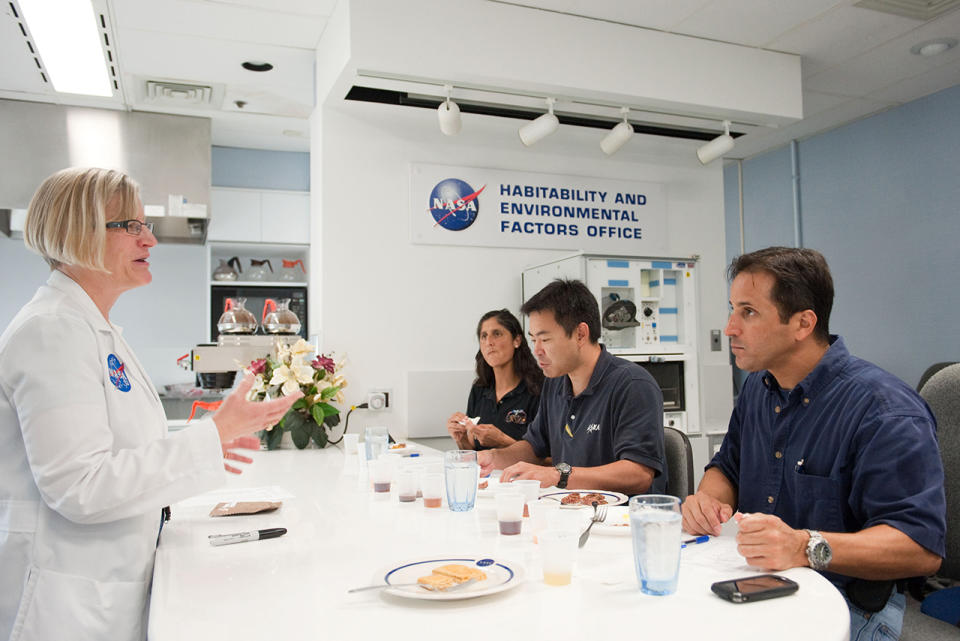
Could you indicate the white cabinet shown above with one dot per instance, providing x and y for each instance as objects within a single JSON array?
[{"x": 259, "y": 216}]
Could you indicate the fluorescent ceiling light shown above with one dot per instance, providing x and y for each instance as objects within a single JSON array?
[{"x": 67, "y": 38}]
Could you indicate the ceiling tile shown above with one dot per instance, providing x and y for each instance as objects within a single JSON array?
[
  {"x": 753, "y": 23},
  {"x": 838, "y": 35},
  {"x": 941, "y": 77},
  {"x": 651, "y": 14},
  {"x": 221, "y": 21}
]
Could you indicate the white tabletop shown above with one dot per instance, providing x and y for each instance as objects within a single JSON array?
[{"x": 340, "y": 534}]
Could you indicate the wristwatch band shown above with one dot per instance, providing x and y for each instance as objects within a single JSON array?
[
  {"x": 564, "y": 470},
  {"x": 819, "y": 553}
]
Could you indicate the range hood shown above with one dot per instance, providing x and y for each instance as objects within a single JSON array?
[{"x": 167, "y": 155}]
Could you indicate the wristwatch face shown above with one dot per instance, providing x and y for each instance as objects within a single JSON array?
[{"x": 819, "y": 553}]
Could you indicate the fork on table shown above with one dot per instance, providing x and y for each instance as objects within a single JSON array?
[{"x": 599, "y": 514}]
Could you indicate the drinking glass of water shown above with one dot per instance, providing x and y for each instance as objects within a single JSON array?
[
  {"x": 655, "y": 525},
  {"x": 375, "y": 442},
  {"x": 461, "y": 471}
]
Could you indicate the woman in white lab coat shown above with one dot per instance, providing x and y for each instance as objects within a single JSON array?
[{"x": 86, "y": 464}]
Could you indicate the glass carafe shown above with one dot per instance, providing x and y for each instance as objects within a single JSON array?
[
  {"x": 236, "y": 318},
  {"x": 289, "y": 272},
  {"x": 258, "y": 269},
  {"x": 278, "y": 318},
  {"x": 224, "y": 271}
]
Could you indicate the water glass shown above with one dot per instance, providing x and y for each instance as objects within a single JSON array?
[
  {"x": 375, "y": 441},
  {"x": 510, "y": 511},
  {"x": 655, "y": 522},
  {"x": 559, "y": 550},
  {"x": 461, "y": 471}
]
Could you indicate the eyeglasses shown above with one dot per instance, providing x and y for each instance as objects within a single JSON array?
[{"x": 132, "y": 226}]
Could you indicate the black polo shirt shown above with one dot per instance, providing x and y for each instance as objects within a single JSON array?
[
  {"x": 619, "y": 416},
  {"x": 512, "y": 414}
]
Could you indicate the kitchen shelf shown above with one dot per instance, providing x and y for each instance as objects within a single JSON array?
[{"x": 258, "y": 283}]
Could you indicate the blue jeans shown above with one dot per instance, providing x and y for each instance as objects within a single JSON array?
[{"x": 877, "y": 626}]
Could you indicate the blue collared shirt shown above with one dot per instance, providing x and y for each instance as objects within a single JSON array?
[
  {"x": 618, "y": 416},
  {"x": 850, "y": 447}
]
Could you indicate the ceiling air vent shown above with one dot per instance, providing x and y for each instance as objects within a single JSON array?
[
  {"x": 178, "y": 93},
  {"x": 916, "y": 9}
]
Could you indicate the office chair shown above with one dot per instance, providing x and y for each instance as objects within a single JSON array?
[
  {"x": 679, "y": 457},
  {"x": 942, "y": 393},
  {"x": 930, "y": 371}
]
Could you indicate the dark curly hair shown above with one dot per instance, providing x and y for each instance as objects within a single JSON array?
[{"x": 524, "y": 364}]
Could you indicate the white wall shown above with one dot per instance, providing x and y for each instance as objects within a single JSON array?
[{"x": 397, "y": 307}]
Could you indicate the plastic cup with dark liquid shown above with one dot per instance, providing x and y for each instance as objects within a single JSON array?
[
  {"x": 381, "y": 473},
  {"x": 510, "y": 512}
]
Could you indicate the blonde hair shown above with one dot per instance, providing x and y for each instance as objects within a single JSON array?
[{"x": 67, "y": 217}]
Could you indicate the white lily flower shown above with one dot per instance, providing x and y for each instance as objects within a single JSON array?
[
  {"x": 259, "y": 386},
  {"x": 301, "y": 348},
  {"x": 288, "y": 378}
]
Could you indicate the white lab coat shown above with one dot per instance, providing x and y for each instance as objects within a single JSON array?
[{"x": 85, "y": 469}]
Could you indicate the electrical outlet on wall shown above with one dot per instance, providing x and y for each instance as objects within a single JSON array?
[{"x": 378, "y": 399}]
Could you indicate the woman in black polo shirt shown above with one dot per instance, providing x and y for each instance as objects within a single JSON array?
[{"x": 506, "y": 393}]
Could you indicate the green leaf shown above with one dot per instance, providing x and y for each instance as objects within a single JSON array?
[
  {"x": 329, "y": 393},
  {"x": 319, "y": 436},
  {"x": 328, "y": 409},
  {"x": 299, "y": 404},
  {"x": 273, "y": 438},
  {"x": 299, "y": 431},
  {"x": 332, "y": 421},
  {"x": 317, "y": 413}
]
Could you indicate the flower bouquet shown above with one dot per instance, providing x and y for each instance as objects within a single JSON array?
[{"x": 291, "y": 369}]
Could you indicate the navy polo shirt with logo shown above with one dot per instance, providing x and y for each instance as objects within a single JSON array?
[
  {"x": 619, "y": 416},
  {"x": 850, "y": 447},
  {"x": 511, "y": 414}
]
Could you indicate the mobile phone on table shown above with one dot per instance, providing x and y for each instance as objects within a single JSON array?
[{"x": 754, "y": 588}]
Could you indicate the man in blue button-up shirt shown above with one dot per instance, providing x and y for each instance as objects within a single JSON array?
[{"x": 831, "y": 462}]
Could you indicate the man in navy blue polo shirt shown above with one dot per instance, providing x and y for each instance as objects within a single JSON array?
[
  {"x": 600, "y": 418},
  {"x": 830, "y": 461}
]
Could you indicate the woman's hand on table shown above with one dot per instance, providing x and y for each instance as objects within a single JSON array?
[
  {"x": 239, "y": 417},
  {"x": 489, "y": 435},
  {"x": 244, "y": 442},
  {"x": 703, "y": 514}
]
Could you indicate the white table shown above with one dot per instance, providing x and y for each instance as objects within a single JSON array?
[{"x": 340, "y": 534}]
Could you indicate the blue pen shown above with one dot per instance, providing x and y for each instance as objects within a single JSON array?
[{"x": 703, "y": 538}]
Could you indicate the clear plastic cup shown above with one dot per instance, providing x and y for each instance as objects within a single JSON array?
[
  {"x": 381, "y": 475},
  {"x": 543, "y": 515},
  {"x": 350, "y": 443},
  {"x": 510, "y": 512},
  {"x": 431, "y": 486},
  {"x": 407, "y": 485},
  {"x": 559, "y": 550},
  {"x": 530, "y": 488}
]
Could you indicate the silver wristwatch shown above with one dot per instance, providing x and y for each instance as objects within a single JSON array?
[{"x": 819, "y": 553}]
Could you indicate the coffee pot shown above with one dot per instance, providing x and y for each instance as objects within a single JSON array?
[
  {"x": 224, "y": 271},
  {"x": 258, "y": 271},
  {"x": 278, "y": 318},
  {"x": 289, "y": 273},
  {"x": 236, "y": 318}
]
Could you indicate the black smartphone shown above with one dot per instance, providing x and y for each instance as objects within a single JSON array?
[{"x": 754, "y": 588}]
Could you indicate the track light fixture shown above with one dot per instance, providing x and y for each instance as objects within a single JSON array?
[
  {"x": 716, "y": 147},
  {"x": 618, "y": 136},
  {"x": 448, "y": 113},
  {"x": 536, "y": 130}
]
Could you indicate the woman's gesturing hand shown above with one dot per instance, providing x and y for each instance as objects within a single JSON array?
[{"x": 239, "y": 416}]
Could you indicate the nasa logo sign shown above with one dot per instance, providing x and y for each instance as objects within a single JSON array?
[{"x": 454, "y": 204}]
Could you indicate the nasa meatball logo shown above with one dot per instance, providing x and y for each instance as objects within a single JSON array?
[{"x": 454, "y": 204}]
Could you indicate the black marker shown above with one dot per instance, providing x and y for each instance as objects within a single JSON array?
[{"x": 243, "y": 537}]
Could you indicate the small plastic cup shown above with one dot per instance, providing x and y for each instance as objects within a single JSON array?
[
  {"x": 559, "y": 550},
  {"x": 407, "y": 485},
  {"x": 381, "y": 475},
  {"x": 530, "y": 488},
  {"x": 510, "y": 512},
  {"x": 350, "y": 443},
  {"x": 543, "y": 515},
  {"x": 431, "y": 486}
]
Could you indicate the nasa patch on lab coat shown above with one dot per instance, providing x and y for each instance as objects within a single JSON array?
[{"x": 118, "y": 374}]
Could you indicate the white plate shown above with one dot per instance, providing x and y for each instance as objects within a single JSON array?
[
  {"x": 613, "y": 498},
  {"x": 407, "y": 450},
  {"x": 617, "y": 522},
  {"x": 501, "y": 575}
]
